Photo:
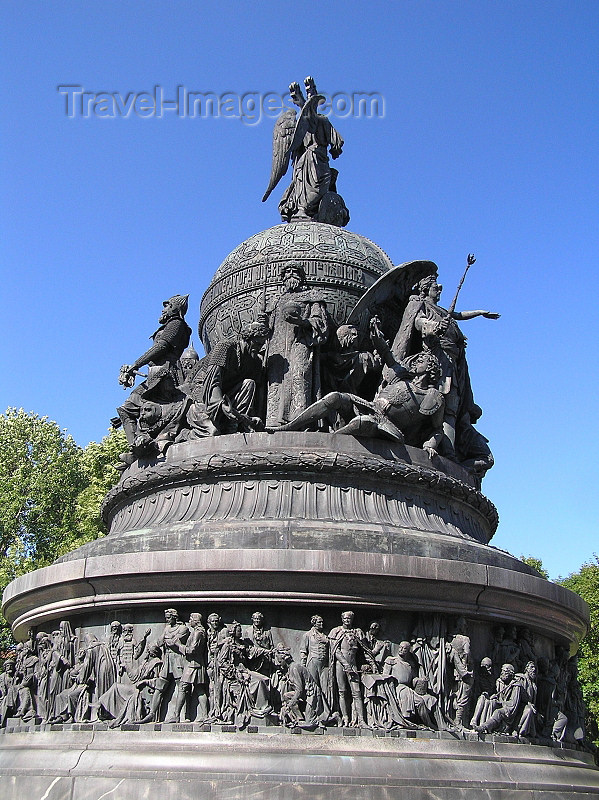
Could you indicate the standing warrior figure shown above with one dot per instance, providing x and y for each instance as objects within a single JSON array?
[
  {"x": 195, "y": 675},
  {"x": 26, "y": 671},
  {"x": 315, "y": 650},
  {"x": 528, "y": 679},
  {"x": 458, "y": 657},
  {"x": 9, "y": 692},
  {"x": 172, "y": 643},
  {"x": 216, "y": 636},
  {"x": 427, "y": 326},
  {"x": 307, "y": 142},
  {"x": 162, "y": 404},
  {"x": 43, "y": 699}
]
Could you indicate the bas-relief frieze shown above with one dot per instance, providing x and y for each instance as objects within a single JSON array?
[{"x": 427, "y": 672}]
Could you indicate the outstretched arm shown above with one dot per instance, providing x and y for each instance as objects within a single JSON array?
[
  {"x": 472, "y": 314},
  {"x": 154, "y": 354},
  {"x": 164, "y": 339}
]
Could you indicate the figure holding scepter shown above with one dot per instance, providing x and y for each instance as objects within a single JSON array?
[{"x": 427, "y": 326}]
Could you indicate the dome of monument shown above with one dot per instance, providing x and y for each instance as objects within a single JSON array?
[{"x": 340, "y": 264}]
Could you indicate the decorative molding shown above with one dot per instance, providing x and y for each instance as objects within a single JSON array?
[{"x": 220, "y": 484}]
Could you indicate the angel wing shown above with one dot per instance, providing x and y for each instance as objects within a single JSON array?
[
  {"x": 388, "y": 296},
  {"x": 281, "y": 151}
]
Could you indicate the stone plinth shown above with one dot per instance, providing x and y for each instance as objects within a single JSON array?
[
  {"x": 296, "y": 521},
  {"x": 293, "y": 524},
  {"x": 182, "y": 765}
]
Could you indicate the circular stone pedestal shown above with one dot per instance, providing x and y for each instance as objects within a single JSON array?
[{"x": 293, "y": 524}]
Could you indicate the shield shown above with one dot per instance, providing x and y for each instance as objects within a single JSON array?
[
  {"x": 388, "y": 297},
  {"x": 432, "y": 402}
]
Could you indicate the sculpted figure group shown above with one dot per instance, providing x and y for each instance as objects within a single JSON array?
[
  {"x": 184, "y": 397},
  {"x": 294, "y": 368},
  {"x": 228, "y": 674}
]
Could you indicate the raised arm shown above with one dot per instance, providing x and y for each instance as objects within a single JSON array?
[
  {"x": 380, "y": 343},
  {"x": 382, "y": 347}
]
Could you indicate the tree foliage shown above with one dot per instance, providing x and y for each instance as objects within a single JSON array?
[
  {"x": 50, "y": 493},
  {"x": 98, "y": 463},
  {"x": 41, "y": 475},
  {"x": 585, "y": 583},
  {"x": 537, "y": 564}
]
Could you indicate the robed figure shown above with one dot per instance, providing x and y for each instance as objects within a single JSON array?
[
  {"x": 426, "y": 326},
  {"x": 300, "y": 325},
  {"x": 307, "y": 142}
]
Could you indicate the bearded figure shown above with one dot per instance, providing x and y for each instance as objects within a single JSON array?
[{"x": 300, "y": 325}]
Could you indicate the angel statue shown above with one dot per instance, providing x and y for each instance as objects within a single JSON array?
[{"x": 306, "y": 142}]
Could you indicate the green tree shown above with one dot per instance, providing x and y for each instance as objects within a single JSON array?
[
  {"x": 98, "y": 461},
  {"x": 41, "y": 475},
  {"x": 50, "y": 493},
  {"x": 537, "y": 564},
  {"x": 585, "y": 583}
]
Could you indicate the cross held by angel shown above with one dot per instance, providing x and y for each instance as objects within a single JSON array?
[{"x": 306, "y": 141}]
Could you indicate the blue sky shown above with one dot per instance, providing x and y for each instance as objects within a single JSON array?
[{"x": 488, "y": 145}]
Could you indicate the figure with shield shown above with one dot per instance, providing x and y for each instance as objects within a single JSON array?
[{"x": 426, "y": 326}]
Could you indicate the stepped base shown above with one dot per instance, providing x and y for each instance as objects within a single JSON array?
[
  {"x": 292, "y": 525},
  {"x": 179, "y": 765}
]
